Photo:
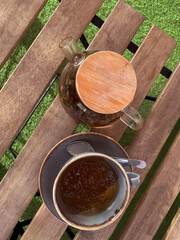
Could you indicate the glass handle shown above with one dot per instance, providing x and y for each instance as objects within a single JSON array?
[
  {"x": 134, "y": 179},
  {"x": 132, "y": 118}
]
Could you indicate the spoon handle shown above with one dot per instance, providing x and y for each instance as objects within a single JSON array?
[{"x": 137, "y": 163}]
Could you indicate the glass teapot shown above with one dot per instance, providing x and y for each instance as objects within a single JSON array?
[{"x": 92, "y": 87}]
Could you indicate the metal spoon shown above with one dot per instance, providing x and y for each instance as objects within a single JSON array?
[{"x": 77, "y": 147}]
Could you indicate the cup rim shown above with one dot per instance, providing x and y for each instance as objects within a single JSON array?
[
  {"x": 106, "y": 223},
  {"x": 54, "y": 147}
]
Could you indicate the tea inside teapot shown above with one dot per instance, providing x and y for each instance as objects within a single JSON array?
[
  {"x": 96, "y": 87},
  {"x": 68, "y": 94}
]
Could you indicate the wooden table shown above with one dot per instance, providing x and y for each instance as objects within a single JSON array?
[{"x": 31, "y": 78}]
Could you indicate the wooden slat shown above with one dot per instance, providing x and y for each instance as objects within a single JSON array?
[
  {"x": 119, "y": 29},
  {"x": 41, "y": 62},
  {"x": 148, "y": 136},
  {"x": 56, "y": 125},
  {"x": 32, "y": 154},
  {"x": 173, "y": 232},
  {"x": 54, "y": 226},
  {"x": 21, "y": 181},
  {"x": 158, "y": 199},
  {"x": 160, "y": 121},
  {"x": 15, "y": 19},
  {"x": 147, "y": 62}
]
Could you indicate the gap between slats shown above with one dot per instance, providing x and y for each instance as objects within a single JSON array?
[
  {"x": 144, "y": 186},
  {"x": 158, "y": 198},
  {"x": 11, "y": 213},
  {"x": 41, "y": 62},
  {"x": 173, "y": 232},
  {"x": 146, "y": 74},
  {"x": 169, "y": 223},
  {"x": 156, "y": 116},
  {"x": 139, "y": 20},
  {"x": 13, "y": 27}
]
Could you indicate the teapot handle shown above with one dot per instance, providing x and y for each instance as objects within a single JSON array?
[{"x": 132, "y": 118}]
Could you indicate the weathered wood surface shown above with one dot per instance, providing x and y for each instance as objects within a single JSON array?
[
  {"x": 158, "y": 198},
  {"x": 56, "y": 125},
  {"x": 19, "y": 177},
  {"x": 21, "y": 181},
  {"x": 147, "y": 62},
  {"x": 148, "y": 140},
  {"x": 40, "y": 64},
  {"x": 15, "y": 19},
  {"x": 40, "y": 222},
  {"x": 173, "y": 232},
  {"x": 128, "y": 20}
]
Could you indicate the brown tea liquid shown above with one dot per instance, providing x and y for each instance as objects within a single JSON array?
[{"x": 88, "y": 186}]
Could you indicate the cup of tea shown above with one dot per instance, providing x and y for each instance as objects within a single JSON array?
[{"x": 91, "y": 191}]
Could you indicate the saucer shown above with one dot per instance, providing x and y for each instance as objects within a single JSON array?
[{"x": 58, "y": 156}]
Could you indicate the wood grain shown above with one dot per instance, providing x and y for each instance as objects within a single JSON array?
[
  {"x": 148, "y": 141},
  {"x": 38, "y": 67},
  {"x": 15, "y": 18},
  {"x": 21, "y": 181},
  {"x": 159, "y": 123},
  {"x": 23, "y": 175},
  {"x": 158, "y": 198},
  {"x": 121, "y": 26},
  {"x": 27, "y": 173},
  {"x": 147, "y": 62},
  {"x": 106, "y": 82},
  {"x": 54, "y": 126},
  {"x": 173, "y": 232},
  {"x": 54, "y": 226}
]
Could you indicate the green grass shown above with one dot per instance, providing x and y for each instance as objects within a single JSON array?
[{"x": 162, "y": 13}]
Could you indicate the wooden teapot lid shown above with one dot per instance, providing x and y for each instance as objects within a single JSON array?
[{"x": 106, "y": 82}]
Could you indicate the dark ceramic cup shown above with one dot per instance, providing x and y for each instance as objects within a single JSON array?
[
  {"x": 95, "y": 220},
  {"x": 57, "y": 159}
]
